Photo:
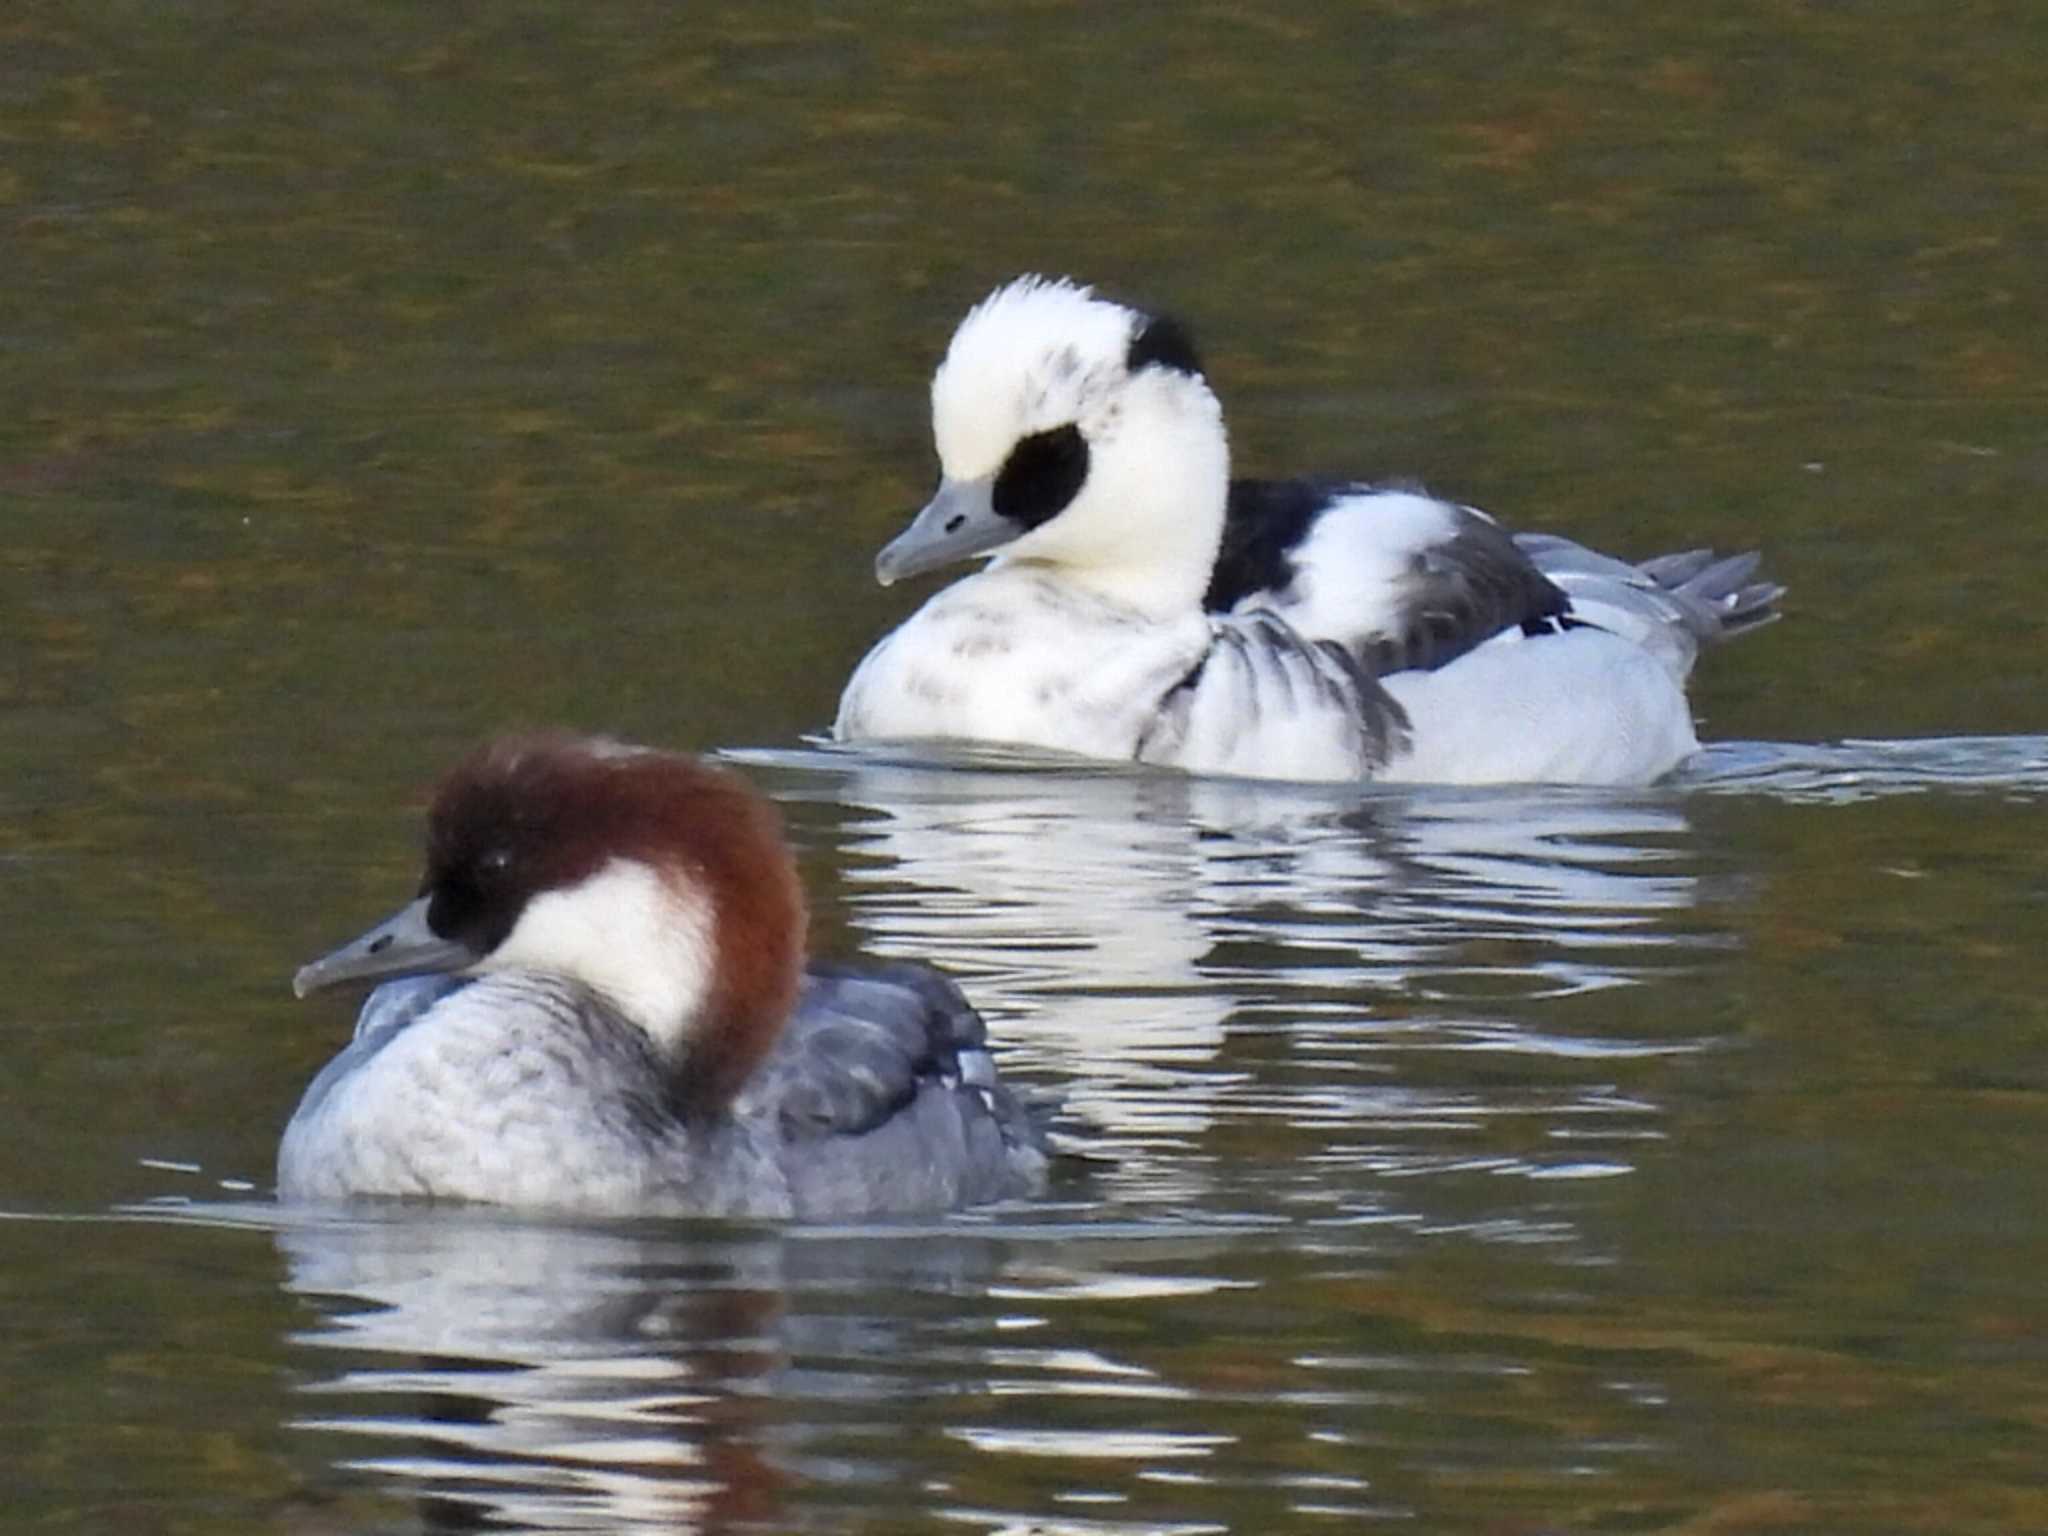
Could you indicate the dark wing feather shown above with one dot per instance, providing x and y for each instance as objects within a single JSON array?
[
  {"x": 1462, "y": 591},
  {"x": 868, "y": 1036},
  {"x": 894, "y": 1057},
  {"x": 1263, "y": 522}
]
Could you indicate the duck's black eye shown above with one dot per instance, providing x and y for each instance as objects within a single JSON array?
[
  {"x": 1042, "y": 474},
  {"x": 475, "y": 902}
]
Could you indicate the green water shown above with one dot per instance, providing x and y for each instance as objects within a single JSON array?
[{"x": 375, "y": 376}]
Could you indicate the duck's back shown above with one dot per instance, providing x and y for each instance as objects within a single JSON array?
[
  {"x": 1401, "y": 580},
  {"x": 884, "y": 1098},
  {"x": 1512, "y": 656}
]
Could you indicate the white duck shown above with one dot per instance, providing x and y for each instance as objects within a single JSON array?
[{"x": 1142, "y": 606}]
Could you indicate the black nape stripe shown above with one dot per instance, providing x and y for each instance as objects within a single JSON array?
[
  {"x": 1164, "y": 341},
  {"x": 1043, "y": 473}
]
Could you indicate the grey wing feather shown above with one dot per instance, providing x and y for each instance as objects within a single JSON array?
[
  {"x": 1721, "y": 585},
  {"x": 874, "y": 1033},
  {"x": 894, "y": 1057},
  {"x": 1670, "y": 604}
]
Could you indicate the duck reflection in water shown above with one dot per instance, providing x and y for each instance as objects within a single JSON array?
[
  {"x": 1136, "y": 930},
  {"x": 502, "y": 1371}
]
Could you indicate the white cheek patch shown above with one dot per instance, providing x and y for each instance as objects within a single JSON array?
[
  {"x": 1144, "y": 528},
  {"x": 645, "y": 942}
]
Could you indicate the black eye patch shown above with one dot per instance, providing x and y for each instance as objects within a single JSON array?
[
  {"x": 475, "y": 900},
  {"x": 461, "y": 909},
  {"x": 1042, "y": 474}
]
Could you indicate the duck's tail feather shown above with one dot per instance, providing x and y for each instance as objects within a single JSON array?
[
  {"x": 1721, "y": 585},
  {"x": 1670, "y": 605}
]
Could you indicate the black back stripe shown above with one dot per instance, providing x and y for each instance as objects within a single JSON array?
[{"x": 1263, "y": 522}]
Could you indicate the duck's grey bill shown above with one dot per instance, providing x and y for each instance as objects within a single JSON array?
[
  {"x": 401, "y": 945},
  {"x": 960, "y": 522}
]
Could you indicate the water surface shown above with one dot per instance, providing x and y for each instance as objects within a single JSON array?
[{"x": 1509, "y": 1162}]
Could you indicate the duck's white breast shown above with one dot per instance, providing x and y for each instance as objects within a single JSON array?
[{"x": 1015, "y": 657}]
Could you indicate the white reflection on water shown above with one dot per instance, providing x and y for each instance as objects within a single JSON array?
[
  {"x": 527, "y": 1371},
  {"x": 1839, "y": 772},
  {"x": 1125, "y": 888},
  {"x": 1182, "y": 953},
  {"x": 570, "y": 1377},
  {"x": 688, "y": 1376}
]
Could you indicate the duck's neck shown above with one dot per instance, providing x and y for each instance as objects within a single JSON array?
[
  {"x": 1146, "y": 530},
  {"x": 756, "y": 971}
]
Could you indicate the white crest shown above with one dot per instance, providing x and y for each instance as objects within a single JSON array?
[{"x": 1037, "y": 353}]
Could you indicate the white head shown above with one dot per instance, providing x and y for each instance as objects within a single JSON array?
[
  {"x": 660, "y": 883},
  {"x": 1080, "y": 434}
]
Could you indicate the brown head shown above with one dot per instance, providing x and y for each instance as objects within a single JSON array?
[{"x": 655, "y": 879}]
